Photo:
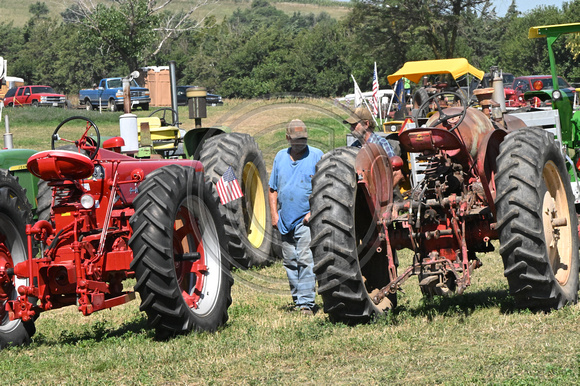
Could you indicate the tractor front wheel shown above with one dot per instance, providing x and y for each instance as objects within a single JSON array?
[
  {"x": 348, "y": 267},
  {"x": 537, "y": 224},
  {"x": 248, "y": 218},
  {"x": 179, "y": 250},
  {"x": 15, "y": 213}
]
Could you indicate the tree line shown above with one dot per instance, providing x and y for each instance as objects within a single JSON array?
[{"x": 262, "y": 50}]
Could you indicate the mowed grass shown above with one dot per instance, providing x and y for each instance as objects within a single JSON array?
[
  {"x": 475, "y": 338},
  {"x": 18, "y": 12}
]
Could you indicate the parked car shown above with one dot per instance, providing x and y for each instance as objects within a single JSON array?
[
  {"x": 34, "y": 96},
  {"x": 211, "y": 99},
  {"x": 541, "y": 86},
  {"x": 10, "y": 94},
  {"x": 109, "y": 94}
]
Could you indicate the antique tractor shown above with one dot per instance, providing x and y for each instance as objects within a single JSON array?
[
  {"x": 112, "y": 218},
  {"x": 483, "y": 180}
]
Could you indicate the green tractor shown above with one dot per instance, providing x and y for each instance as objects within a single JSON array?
[{"x": 567, "y": 123}]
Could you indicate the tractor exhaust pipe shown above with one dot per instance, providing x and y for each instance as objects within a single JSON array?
[
  {"x": 173, "y": 83},
  {"x": 498, "y": 89}
]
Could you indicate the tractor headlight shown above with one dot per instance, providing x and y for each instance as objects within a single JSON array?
[
  {"x": 556, "y": 95},
  {"x": 87, "y": 201}
]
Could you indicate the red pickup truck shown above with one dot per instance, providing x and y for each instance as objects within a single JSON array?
[{"x": 34, "y": 96}]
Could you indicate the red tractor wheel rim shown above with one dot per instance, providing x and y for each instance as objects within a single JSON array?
[
  {"x": 191, "y": 275},
  {"x": 6, "y": 284}
]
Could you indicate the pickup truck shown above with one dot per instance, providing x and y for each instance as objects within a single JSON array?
[
  {"x": 34, "y": 96},
  {"x": 110, "y": 94}
]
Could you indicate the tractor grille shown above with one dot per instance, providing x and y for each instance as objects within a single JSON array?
[{"x": 62, "y": 195}]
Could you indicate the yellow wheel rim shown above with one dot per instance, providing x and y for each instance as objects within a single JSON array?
[
  {"x": 254, "y": 205},
  {"x": 556, "y": 220}
]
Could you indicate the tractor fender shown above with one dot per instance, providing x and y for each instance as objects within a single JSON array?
[
  {"x": 513, "y": 123},
  {"x": 374, "y": 170},
  {"x": 194, "y": 139},
  {"x": 486, "y": 165},
  {"x": 475, "y": 126}
]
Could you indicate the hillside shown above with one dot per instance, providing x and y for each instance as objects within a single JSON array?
[{"x": 17, "y": 12}]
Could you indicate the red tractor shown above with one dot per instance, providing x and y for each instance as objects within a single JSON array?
[
  {"x": 112, "y": 218},
  {"x": 482, "y": 180}
]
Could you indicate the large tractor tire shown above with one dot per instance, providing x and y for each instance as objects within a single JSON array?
[
  {"x": 247, "y": 219},
  {"x": 180, "y": 254},
  {"x": 348, "y": 268},
  {"x": 15, "y": 213},
  {"x": 537, "y": 224}
]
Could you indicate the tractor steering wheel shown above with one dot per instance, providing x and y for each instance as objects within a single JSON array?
[
  {"x": 165, "y": 111},
  {"x": 443, "y": 118},
  {"x": 86, "y": 143}
]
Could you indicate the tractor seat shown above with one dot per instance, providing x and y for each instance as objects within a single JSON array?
[
  {"x": 54, "y": 165},
  {"x": 154, "y": 122}
]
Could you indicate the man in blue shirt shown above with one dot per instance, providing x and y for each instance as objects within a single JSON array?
[{"x": 290, "y": 187}]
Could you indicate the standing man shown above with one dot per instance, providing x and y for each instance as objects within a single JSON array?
[
  {"x": 290, "y": 187},
  {"x": 362, "y": 127}
]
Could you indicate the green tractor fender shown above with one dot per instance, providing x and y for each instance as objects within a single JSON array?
[
  {"x": 14, "y": 160},
  {"x": 193, "y": 140}
]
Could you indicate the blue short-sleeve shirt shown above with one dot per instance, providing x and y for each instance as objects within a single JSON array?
[
  {"x": 293, "y": 182},
  {"x": 377, "y": 139}
]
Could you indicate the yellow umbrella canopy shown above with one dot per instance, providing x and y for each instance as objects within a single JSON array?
[{"x": 414, "y": 71}]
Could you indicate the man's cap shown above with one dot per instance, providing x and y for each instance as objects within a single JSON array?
[
  {"x": 297, "y": 129},
  {"x": 359, "y": 114}
]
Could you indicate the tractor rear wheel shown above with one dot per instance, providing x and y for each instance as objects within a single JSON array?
[
  {"x": 180, "y": 254},
  {"x": 15, "y": 213},
  {"x": 247, "y": 218},
  {"x": 537, "y": 224},
  {"x": 348, "y": 267}
]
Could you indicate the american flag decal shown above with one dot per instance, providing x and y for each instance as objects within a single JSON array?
[{"x": 228, "y": 187}]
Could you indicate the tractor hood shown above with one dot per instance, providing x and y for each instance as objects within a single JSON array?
[{"x": 414, "y": 71}]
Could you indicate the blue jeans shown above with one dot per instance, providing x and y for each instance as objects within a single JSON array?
[{"x": 299, "y": 265}]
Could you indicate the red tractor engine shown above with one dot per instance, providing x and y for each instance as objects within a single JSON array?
[{"x": 114, "y": 217}]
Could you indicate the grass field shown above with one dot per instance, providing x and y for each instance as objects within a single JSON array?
[
  {"x": 476, "y": 338},
  {"x": 17, "y": 12}
]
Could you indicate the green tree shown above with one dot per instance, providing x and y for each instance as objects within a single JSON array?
[
  {"x": 523, "y": 56},
  {"x": 38, "y": 9},
  {"x": 135, "y": 30}
]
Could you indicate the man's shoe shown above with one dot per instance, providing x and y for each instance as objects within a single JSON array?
[{"x": 306, "y": 311}]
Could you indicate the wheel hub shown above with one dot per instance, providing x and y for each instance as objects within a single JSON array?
[
  {"x": 255, "y": 205},
  {"x": 556, "y": 223}
]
